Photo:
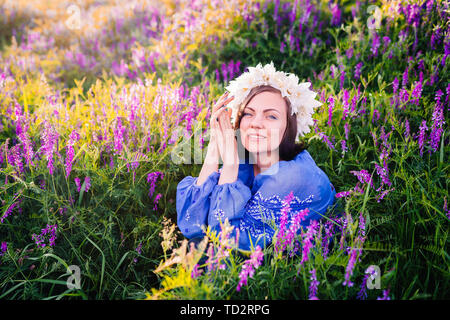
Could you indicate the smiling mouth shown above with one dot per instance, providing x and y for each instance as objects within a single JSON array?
[{"x": 253, "y": 136}]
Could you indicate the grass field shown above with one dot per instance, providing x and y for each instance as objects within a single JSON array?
[{"x": 99, "y": 99}]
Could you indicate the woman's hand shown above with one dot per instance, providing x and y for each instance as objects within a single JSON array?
[
  {"x": 212, "y": 159},
  {"x": 212, "y": 154},
  {"x": 225, "y": 138}
]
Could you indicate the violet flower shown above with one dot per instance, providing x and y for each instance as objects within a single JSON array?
[
  {"x": 3, "y": 248},
  {"x": 280, "y": 244},
  {"x": 49, "y": 141},
  {"x": 385, "y": 295},
  {"x": 87, "y": 186},
  {"x": 74, "y": 136},
  {"x": 357, "y": 71},
  {"x": 50, "y": 232},
  {"x": 10, "y": 210},
  {"x": 78, "y": 184},
  {"x": 196, "y": 272},
  {"x": 138, "y": 250},
  {"x": 313, "y": 286},
  {"x": 438, "y": 123},
  {"x": 330, "y": 109},
  {"x": 423, "y": 127},
  {"x": 354, "y": 253},
  {"x": 249, "y": 267},
  {"x": 345, "y": 98},
  {"x": 307, "y": 242},
  {"x": 152, "y": 178},
  {"x": 158, "y": 196},
  {"x": 363, "y": 176}
]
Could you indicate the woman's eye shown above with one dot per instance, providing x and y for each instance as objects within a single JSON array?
[{"x": 246, "y": 113}]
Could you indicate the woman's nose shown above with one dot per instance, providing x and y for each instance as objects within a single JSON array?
[{"x": 256, "y": 122}]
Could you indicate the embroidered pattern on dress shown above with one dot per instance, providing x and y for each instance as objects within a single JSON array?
[
  {"x": 262, "y": 215},
  {"x": 187, "y": 215},
  {"x": 219, "y": 214}
]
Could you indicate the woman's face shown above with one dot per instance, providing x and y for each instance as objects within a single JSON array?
[{"x": 263, "y": 122}]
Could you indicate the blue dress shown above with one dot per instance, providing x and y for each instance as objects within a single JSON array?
[{"x": 253, "y": 204}]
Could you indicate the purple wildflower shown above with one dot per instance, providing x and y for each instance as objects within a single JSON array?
[
  {"x": 363, "y": 176},
  {"x": 155, "y": 202},
  {"x": 329, "y": 231},
  {"x": 325, "y": 139},
  {"x": 383, "y": 173},
  {"x": 138, "y": 250},
  {"x": 376, "y": 114},
  {"x": 248, "y": 269},
  {"x": 343, "y": 194},
  {"x": 330, "y": 109},
  {"x": 370, "y": 272},
  {"x": 313, "y": 286},
  {"x": 438, "y": 122},
  {"x": 354, "y": 252},
  {"x": 74, "y": 136},
  {"x": 78, "y": 184},
  {"x": 3, "y": 248},
  {"x": 345, "y": 98},
  {"x": 344, "y": 147},
  {"x": 435, "y": 38},
  {"x": 423, "y": 127},
  {"x": 151, "y": 178},
  {"x": 385, "y": 295},
  {"x": 280, "y": 244},
  {"x": 294, "y": 227},
  {"x": 118, "y": 136},
  {"x": 349, "y": 53},
  {"x": 10, "y": 210},
  {"x": 308, "y": 240},
  {"x": 336, "y": 19},
  {"x": 49, "y": 141},
  {"x": 196, "y": 272},
  {"x": 405, "y": 78},
  {"x": 357, "y": 72},
  {"x": 375, "y": 44},
  {"x": 386, "y": 42},
  {"x": 50, "y": 232},
  {"x": 407, "y": 130},
  {"x": 27, "y": 147},
  {"x": 346, "y": 130},
  {"x": 87, "y": 182},
  {"x": 342, "y": 77},
  {"x": 416, "y": 93},
  {"x": 14, "y": 157}
]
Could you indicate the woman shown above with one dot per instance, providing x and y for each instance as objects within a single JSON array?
[{"x": 250, "y": 187}]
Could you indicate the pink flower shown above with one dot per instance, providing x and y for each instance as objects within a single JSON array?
[
  {"x": 313, "y": 286},
  {"x": 78, "y": 184},
  {"x": 87, "y": 182},
  {"x": 248, "y": 269}
]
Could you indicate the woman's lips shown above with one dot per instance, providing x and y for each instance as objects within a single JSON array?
[{"x": 255, "y": 136}]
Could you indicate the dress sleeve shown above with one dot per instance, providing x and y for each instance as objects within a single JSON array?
[
  {"x": 228, "y": 201},
  {"x": 192, "y": 204}
]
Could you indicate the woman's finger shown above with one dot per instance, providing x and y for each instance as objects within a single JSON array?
[
  {"x": 216, "y": 114},
  {"x": 221, "y": 103}
]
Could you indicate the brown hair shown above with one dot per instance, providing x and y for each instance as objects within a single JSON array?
[{"x": 288, "y": 148}]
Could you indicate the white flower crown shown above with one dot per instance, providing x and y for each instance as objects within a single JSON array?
[{"x": 301, "y": 98}]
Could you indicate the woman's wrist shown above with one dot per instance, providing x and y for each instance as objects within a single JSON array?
[
  {"x": 228, "y": 174},
  {"x": 212, "y": 155}
]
